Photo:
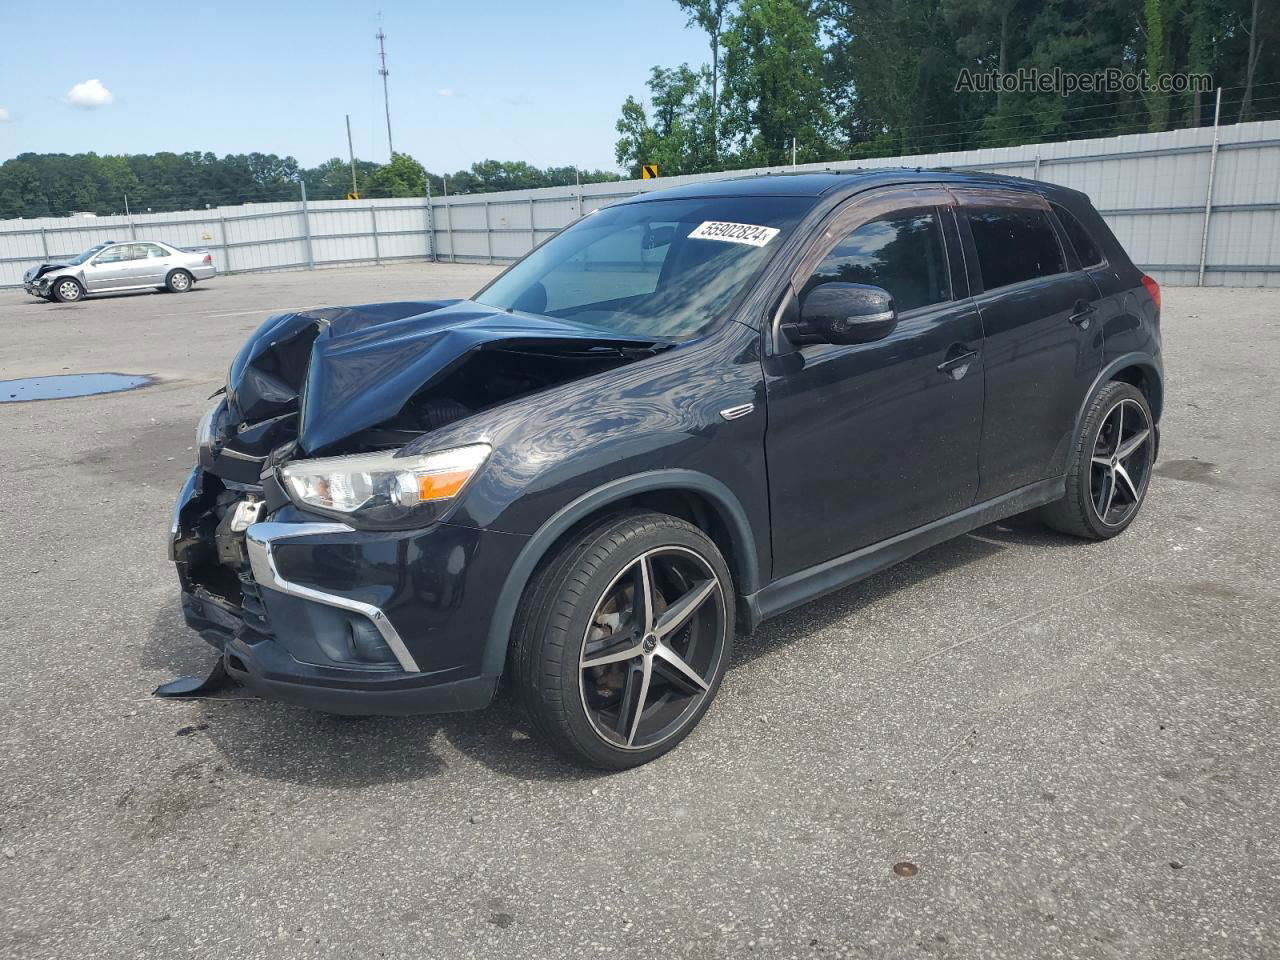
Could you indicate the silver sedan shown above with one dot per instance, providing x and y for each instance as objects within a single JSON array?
[{"x": 112, "y": 267}]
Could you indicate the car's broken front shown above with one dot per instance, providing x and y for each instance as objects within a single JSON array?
[
  {"x": 378, "y": 485},
  {"x": 333, "y": 580}
]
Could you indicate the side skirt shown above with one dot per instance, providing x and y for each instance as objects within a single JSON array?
[{"x": 813, "y": 582}]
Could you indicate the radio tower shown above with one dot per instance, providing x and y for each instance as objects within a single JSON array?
[{"x": 386, "y": 101}]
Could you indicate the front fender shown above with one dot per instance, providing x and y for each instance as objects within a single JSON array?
[{"x": 726, "y": 504}]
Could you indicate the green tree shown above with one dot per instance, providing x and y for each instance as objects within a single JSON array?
[
  {"x": 773, "y": 83},
  {"x": 710, "y": 16},
  {"x": 402, "y": 176},
  {"x": 677, "y": 135}
]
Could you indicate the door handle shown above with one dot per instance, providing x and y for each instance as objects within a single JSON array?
[
  {"x": 1084, "y": 312},
  {"x": 958, "y": 365}
]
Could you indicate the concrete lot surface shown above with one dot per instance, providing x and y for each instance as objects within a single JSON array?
[{"x": 1075, "y": 745}]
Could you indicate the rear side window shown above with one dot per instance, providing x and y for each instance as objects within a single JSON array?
[
  {"x": 1014, "y": 245},
  {"x": 1086, "y": 249},
  {"x": 901, "y": 252}
]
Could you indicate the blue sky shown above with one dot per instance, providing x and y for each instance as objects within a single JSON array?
[{"x": 536, "y": 81}]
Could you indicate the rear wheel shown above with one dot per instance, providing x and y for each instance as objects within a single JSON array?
[
  {"x": 623, "y": 638},
  {"x": 179, "y": 281},
  {"x": 67, "y": 290},
  {"x": 1110, "y": 468}
]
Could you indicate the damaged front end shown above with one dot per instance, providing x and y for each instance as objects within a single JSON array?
[{"x": 309, "y": 550}]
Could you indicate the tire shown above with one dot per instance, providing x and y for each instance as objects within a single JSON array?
[
  {"x": 582, "y": 605},
  {"x": 1108, "y": 476},
  {"x": 67, "y": 290},
  {"x": 179, "y": 281}
]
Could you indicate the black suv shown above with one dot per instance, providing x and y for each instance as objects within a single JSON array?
[{"x": 683, "y": 414}]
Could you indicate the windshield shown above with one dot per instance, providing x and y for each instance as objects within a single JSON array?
[
  {"x": 660, "y": 268},
  {"x": 87, "y": 254}
]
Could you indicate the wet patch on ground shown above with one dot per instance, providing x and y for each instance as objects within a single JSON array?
[
  {"x": 65, "y": 385},
  {"x": 1192, "y": 471}
]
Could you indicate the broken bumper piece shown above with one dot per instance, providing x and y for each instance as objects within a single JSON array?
[{"x": 332, "y": 618}]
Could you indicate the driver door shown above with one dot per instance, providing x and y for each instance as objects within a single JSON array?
[
  {"x": 866, "y": 441},
  {"x": 110, "y": 268}
]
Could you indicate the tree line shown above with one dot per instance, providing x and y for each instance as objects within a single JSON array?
[
  {"x": 811, "y": 79},
  {"x": 56, "y": 184},
  {"x": 842, "y": 79}
]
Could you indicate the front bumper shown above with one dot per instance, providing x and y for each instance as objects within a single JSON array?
[
  {"x": 38, "y": 287},
  {"x": 337, "y": 619}
]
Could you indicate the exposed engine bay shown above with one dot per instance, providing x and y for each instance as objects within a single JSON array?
[{"x": 348, "y": 380}]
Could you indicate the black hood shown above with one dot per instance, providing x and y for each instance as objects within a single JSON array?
[{"x": 320, "y": 376}]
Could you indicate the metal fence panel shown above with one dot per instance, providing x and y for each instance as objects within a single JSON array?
[{"x": 1150, "y": 187}]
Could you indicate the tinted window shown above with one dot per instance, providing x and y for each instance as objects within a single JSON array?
[
  {"x": 1086, "y": 249},
  {"x": 1014, "y": 245},
  {"x": 901, "y": 252},
  {"x": 653, "y": 268}
]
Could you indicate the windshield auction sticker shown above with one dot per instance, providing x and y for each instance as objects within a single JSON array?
[{"x": 747, "y": 233}]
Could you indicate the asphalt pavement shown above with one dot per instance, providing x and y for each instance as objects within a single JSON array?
[{"x": 1013, "y": 745}]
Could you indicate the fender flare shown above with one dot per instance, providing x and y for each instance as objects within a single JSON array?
[
  {"x": 513, "y": 587},
  {"x": 1147, "y": 361}
]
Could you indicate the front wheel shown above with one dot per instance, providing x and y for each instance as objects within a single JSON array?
[
  {"x": 623, "y": 637},
  {"x": 1110, "y": 465},
  {"x": 67, "y": 290}
]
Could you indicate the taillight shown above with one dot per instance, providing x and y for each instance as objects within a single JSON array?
[
  {"x": 1153, "y": 288},
  {"x": 208, "y": 258}
]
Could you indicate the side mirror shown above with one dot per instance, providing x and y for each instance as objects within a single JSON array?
[
  {"x": 657, "y": 237},
  {"x": 843, "y": 313}
]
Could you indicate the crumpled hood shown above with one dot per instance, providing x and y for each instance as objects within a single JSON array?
[
  {"x": 333, "y": 372},
  {"x": 43, "y": 268}
]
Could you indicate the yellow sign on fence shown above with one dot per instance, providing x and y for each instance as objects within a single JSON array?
[
  {"x": 649, "y": 171},
  {"x": 353, "y": 196}
]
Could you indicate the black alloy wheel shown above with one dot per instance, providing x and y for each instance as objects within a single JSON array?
[
  {"x": 623, "y": 638},
  {"x": 1111, "y": 465}
]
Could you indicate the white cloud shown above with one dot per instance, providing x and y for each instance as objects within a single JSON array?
[
  {"x": 88, "y": 95},
  {"x": 445, "y": 92},
  {"x": 4, "y": 115}
]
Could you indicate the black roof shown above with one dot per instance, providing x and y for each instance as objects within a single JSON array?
[{"x": 826, "y": 183}]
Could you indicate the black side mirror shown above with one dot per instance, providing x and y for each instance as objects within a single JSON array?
[
  {"x": 659, "y": 237},
  {"x": 843, "y": 313}
]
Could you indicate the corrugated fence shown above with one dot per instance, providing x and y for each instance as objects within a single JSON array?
[{"x": 1186, "y": 204}]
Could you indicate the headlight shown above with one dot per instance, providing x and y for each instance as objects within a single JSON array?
[
  {"x": 381, "y": 489},
  {"x": 204, "y": 429}
]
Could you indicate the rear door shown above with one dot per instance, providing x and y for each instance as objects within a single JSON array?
[
  {"x": 865, "y": 441},
  {"x": 1042, "y": 341},
  {"x": 151, "y": 267}
]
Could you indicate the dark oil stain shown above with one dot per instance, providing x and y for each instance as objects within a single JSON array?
[
  {"x": 503, "y": 920},
  {"x": 905, "y": 869},
  {"x": 1192, "y": 471},
  {"x": 66, "y": 385}
]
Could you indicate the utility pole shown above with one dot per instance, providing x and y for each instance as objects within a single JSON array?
[
  {"x": 386, "y": 101},
  {"x": 352, "y": 154}
]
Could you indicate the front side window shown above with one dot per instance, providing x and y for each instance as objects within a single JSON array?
[
  {"x": 115, "y": 253},
  {"x": 1014, "y": 245},
  {"x": 1086, "y": 249},
  {"x": 901, "y": 252},
  {"x": 668, "y": 269},
  {"x": 86, "y": 255}
]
